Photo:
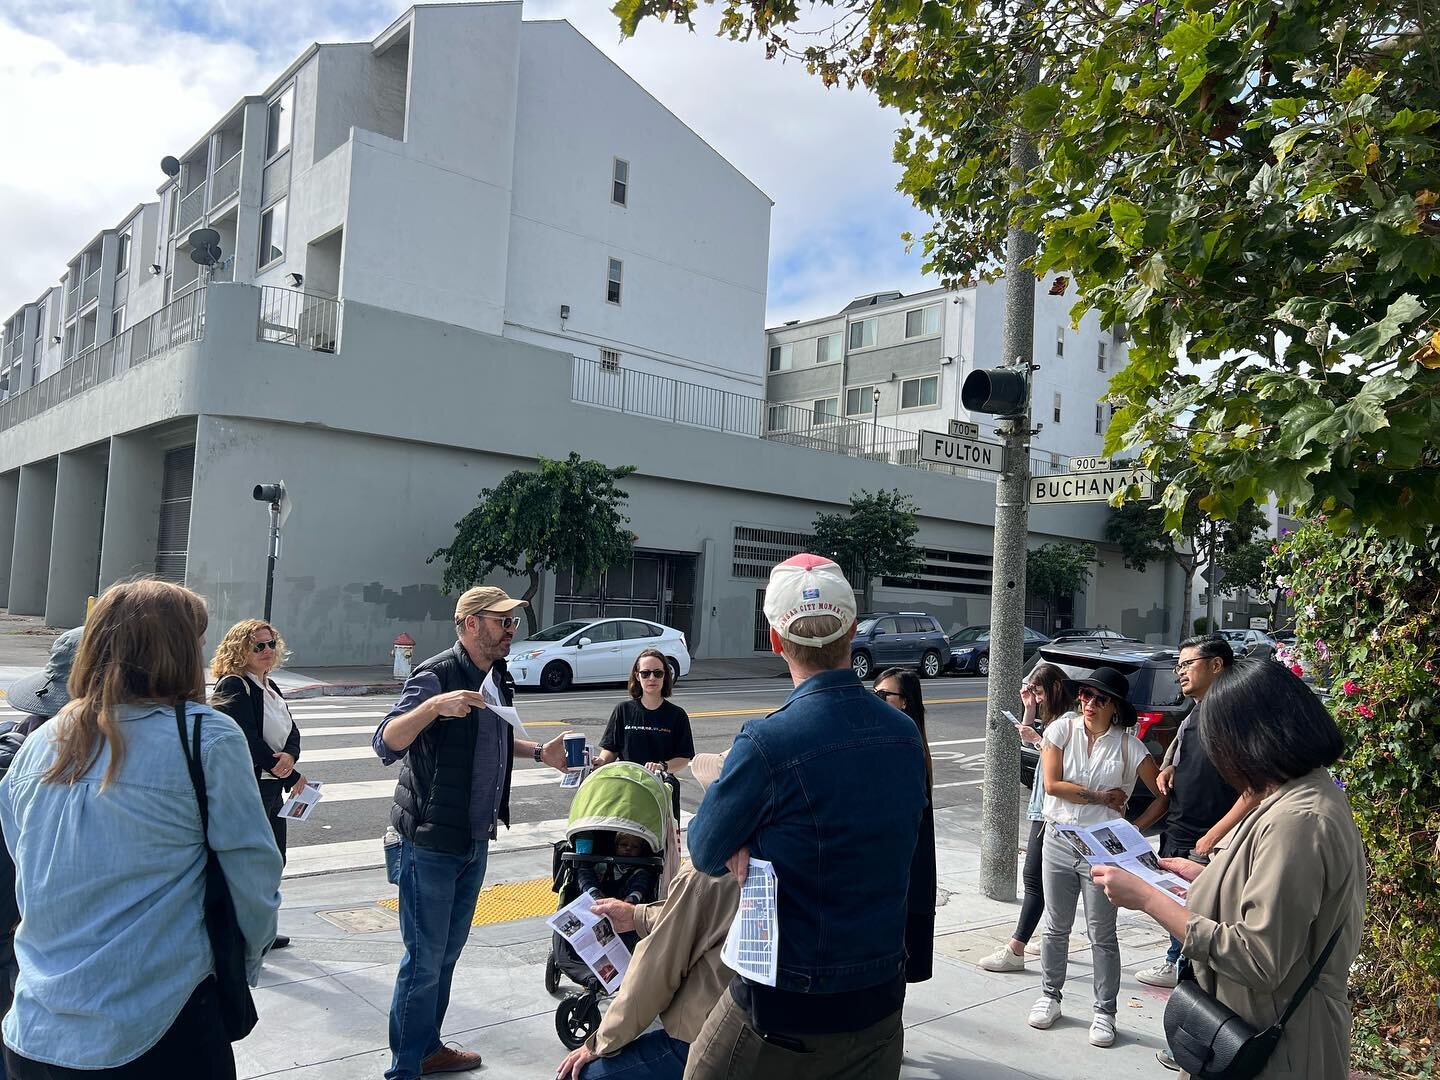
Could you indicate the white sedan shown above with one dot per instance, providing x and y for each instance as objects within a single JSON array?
[{"x": 593, "y": 651}]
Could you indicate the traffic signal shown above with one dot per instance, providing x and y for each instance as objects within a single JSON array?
[{"x": 997, "y": 391}]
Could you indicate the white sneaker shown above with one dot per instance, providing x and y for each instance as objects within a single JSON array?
[
  {"x": 1002, "y": 959},
  {"x": 1102, "y": 1030},
  {"x": 1162, "y": 975},
  {"x": 1044, "y": 1013},
  {"x": 1167, "y": 1059},
  {"x": 1032, "y": 948}
]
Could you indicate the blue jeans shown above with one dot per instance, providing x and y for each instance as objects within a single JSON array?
[
  {"x": 437, "y": 902},
  {"x": 653, "y": 1056},
  {"x": 1172, "y": 954}
]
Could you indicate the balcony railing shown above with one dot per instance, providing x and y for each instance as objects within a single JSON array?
[
  {"x": 304, "y": 320},
  {"x": 226, "y": 181},
  {"x": 178, "y": 322},
  {"x": 90, "y": 289},
  {"x": 191, "y": 207}
]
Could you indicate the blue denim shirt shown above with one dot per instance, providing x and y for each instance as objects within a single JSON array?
[
  {"x": 830, "y": 788},
  {"x": 110, "y": 884}
]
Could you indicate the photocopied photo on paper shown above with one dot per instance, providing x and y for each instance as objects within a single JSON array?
[
  {"x": 1118, "y": 843},
  {"x": 594, "y": 940},
  {"x": 301, "y": 802}
]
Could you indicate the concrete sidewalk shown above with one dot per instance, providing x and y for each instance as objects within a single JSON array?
[{"x": 324, "y": 1002}]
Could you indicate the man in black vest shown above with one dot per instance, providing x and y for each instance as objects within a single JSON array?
[{"x": 455, "y": 759}]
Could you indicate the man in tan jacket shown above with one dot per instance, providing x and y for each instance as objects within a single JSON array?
[{"x": 675, "y": 974}]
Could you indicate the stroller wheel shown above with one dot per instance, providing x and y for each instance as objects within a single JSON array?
[
  {"x": 552, "y": 975},
  {"x": 576, "y": 1019}
]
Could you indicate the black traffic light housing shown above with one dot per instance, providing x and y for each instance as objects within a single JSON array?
[
  {"x": 997, "y": 391},
  {"x": 268, "y": 493}
]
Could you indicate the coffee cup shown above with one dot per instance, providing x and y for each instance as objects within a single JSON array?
[{"x": 574, "y": 750}]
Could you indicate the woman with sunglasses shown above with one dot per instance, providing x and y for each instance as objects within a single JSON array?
[
  {"x": 1047, "y": 697},
  {"x": 245, "y": 692},
  {"x": 901, "y": 687},
  {"x": 646, "y": 728},
  {"x": 1089, "y": 763}
]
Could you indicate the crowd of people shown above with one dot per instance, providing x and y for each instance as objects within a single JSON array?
[{"x": 144, "y": 848}]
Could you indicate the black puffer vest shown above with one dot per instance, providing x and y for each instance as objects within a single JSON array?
[{"x": 432, "y": 795}]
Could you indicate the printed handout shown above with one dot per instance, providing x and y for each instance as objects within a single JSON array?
[
  {"x": 493, "y": 702},
  {"x": 751, "y": 947},
  {"x": 594, "y": 940},
  {"x": 301, "y": 802},
  {"x": 1118, "y": 843}
]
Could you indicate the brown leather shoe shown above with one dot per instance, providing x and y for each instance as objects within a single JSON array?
[{"x": 450, "y": 1059}]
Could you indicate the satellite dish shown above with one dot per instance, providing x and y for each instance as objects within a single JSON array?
[
  {"x": 170, "y": 166},
  {"x": 203, "y": 238},
  {"x": 205, "y": 254}
]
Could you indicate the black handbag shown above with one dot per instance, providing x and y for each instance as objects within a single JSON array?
[
  {"x": 1210, "y": 1042},
  {"x": 232, "y": 988}
]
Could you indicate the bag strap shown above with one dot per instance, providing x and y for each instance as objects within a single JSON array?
[
  {"x": 197, "y": 774},
  {"x": 1310, "y": 981}
]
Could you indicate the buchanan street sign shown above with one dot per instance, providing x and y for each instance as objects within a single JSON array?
[{"x": 1089, "y": 486}]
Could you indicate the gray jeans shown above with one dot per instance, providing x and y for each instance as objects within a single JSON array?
[{"x": 1067, "y": 877}]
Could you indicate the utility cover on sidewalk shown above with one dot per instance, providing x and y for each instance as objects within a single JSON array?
[{"x": 362, "y": 920}]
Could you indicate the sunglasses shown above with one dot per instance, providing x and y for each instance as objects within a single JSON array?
[
  {"x": 650, "y": 673},
  {"x": 886, "y": 695},
  {"x": 261, "y": 646},
  {"x": 1086, "y": 694},
  {"x": 508, "y": 622}
]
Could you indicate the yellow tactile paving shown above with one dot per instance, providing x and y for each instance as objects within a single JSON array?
[{"x": 502, "y": 903}]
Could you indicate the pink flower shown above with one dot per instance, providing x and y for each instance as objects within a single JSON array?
[
  {"x": 1350, "y": 687},
  {"x": 1365, "y": 711},
  {"x": 1322, "y": 650},
  {"x": 1296, "y": 669}
]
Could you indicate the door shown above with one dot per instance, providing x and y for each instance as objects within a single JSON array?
[
  {"x": 886, "y": 645},
  {"x": 648, "y": 585},
  {"x": 601, "y": 660},
  {"x": 635, "y": 638}
]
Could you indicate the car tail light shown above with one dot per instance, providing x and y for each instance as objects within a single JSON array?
[{"x": 1145, "y": 721}]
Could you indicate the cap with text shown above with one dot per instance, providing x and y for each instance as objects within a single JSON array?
[
  {"x": 484, "y": 598},
  {"x": 808, "y": 585}
]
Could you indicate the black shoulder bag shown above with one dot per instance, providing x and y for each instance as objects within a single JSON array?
[
  {"x": 1210, "y": 1042},
  {"x": 237, "y": 1008}
]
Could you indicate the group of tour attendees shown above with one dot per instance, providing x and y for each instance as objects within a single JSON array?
[{"x": 113, "y": 973}]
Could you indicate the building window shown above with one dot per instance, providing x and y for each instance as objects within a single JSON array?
[
  {"x": 825, "y": 411},
  {"x": 775, "y": 417},
  {"x": 40, "y": 323},
  {"x": 620, "y": 183},
  {"x": 1099, "y": 419},
  {"x": 1100, "y": 356},
  {"x": 922, "y": 393},
  {"x": 781, "y": 356},
  {"x": 117, "y": 321},
  {"x": 122, "y": 253},
  {"x": 609, "y": 360},
  {"x": 280, "y": 122},
  {"x": 1057, "y": 407},
  {"x": 1059, "y": 341},
  {"x": 272, "y": 234},
  {"x": 613, "y": 280},
  {"x": 862, "y": 334},
  {"x": 860, "y": 401},
  {"x": 827, "y": 349},
  {"x": 922, "y": 321}
]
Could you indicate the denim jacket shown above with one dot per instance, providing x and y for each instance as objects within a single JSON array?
[
  {"x": 829, "y": 788},
  {"x": 112, "y": 940}
]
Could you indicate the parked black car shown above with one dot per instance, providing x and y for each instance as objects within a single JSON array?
[
  {"x": 1154, "y": 691},
  {"x": 899, "y": 639},
  {"x": 1090, "y": 633},
  {"x": 970, "y": 648}
]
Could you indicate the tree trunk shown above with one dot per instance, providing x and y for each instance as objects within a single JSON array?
[
  {"x": 867, "y": 595},
  {"x": 530, "y": 619},
  {"x": 1186, "y": 630}
]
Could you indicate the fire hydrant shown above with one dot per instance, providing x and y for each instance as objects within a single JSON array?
[{"x": 404, "y": 650}]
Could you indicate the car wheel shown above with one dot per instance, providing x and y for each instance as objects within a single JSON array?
[
  {"x": 930, "y": 664},
  {"x": 674, "y": 666},
  {"x": 983, "y": 666},
  {"x": 556, "y": 676},
  {"x": 860, "y": 664}
]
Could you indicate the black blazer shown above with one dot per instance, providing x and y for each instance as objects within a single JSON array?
[{"x": 240, "y": 699}]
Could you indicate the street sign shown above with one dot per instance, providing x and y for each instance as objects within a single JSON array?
[
  {"x": 1089, "y": 486},
  {"x": 1259, "y": 623},
  {"x": 1094, "y": 464},
  {"x": 961, "y": 430},
  {"x": 944, "y": 449}
]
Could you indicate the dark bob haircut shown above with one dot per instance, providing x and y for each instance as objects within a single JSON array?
[{"x": 1261, "y": 726}]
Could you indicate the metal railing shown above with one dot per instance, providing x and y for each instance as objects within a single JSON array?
[
  {"x": 226, "y": 181},
  {"x": 180, "y": 321},
  {"x": 191, "y": 207},
  {"x": 303, "y": 320}
]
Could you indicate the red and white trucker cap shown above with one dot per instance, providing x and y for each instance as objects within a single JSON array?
[{"x": 808, "y": 585}]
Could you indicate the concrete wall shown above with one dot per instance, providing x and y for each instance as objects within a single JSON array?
[
  {"x": 75, "y": 543},
  {"x": 34, "y": 523},
  {"x": 132, "y": 507},
  {"x": 9, "y": 494}
]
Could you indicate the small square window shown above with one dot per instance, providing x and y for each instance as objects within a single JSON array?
[
  {"x": 862, "y": 334},
  {"x": 827, "y": 349},
  {"x": 920, "y": 393},
  {"x": 613, "y": 281},
  {"x": 775, "y": 417},
  {"x": 1060, "y": 341},
  {"x": 781, "y": 356},
  {"x": 1057, "y": 408},
  {"x": 272, "y": 234},
  {"x": 825, "y": 410},
  {"x": 1100, "y": 356},
  {"x": 620, "y": 183},
  {"x": 609, "y": 360},
  {"x": 922, "y": 321},
  {"x": 860, "y": 400}
]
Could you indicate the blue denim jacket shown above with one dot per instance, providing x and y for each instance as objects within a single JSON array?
[
  {"x": 112, "y": 940},
  {"x": 830, "y": 788}
]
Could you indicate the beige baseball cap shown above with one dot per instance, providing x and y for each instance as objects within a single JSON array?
[
  {"x": 809, "y": 585},
  {"x": 705, "y": 768},
  {"x": 484, "y": 598}
]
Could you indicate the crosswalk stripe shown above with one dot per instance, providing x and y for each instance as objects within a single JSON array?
[{"x": 353, "y": 790}]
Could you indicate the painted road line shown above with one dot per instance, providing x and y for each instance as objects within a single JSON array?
[
  {"x": 357, "y": 790},
  {"x": 958, "y": 742},
  {"x": 959, "y": 783},
  {"x": 767, "y": 712}
]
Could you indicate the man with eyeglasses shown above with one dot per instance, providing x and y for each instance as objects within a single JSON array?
[{"x": 455, "y": 758}]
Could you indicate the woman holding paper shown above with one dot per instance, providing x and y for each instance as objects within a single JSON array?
[
  {"x": 1089, "y": 763},
  {"x": 245, "y": 692}
]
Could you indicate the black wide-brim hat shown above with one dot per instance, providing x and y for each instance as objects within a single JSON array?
[{"x": 1109, "y": 681}]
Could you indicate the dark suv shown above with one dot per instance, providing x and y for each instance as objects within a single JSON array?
[
  {"x": 899, "y": 639},
  {"x": 1154, "y": 691}
]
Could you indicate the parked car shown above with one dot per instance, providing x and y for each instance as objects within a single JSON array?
[
  {"x": 593, "y": 651},
  {"x": 899, "y": 639},
  {"x": 1154, "y": 691},
  {"x": 1241, "y": 640},
  {"x": 970, "y": 648},
  {"x": 1090, "y": 633}
]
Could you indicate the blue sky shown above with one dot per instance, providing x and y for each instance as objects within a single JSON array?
[{"x": 107, "y": 89}]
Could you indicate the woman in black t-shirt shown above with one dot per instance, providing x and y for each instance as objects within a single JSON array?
[{"x": 647, "y": 729}]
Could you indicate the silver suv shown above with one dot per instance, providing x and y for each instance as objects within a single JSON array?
[{"x": 899, "y": 639}]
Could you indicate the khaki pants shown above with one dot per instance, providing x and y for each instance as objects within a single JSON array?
[{"x": 728, "y": 1048}]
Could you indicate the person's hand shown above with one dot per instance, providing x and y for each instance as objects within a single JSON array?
[
  {"x": 457, "y": 703},
  {"x": 739, "y": 864},
  {"x": 573, "y": 1065},
  {"x": 1206, "y": 844},
  {"x": 1165, "y": 780},
  {"x": 284, "y": 765},
  {"x": 620, "y": 914},
  {"x": 1183, "y": 868},
  {"x": 299, "y": 786},
  {"x": 552, "y": 753},
  {"x": 1122, "y": 888},
  {"x": 657, "y": 767},
  {"x": 1029, "y": 735},
  {"x": 1116, "y": 799}
]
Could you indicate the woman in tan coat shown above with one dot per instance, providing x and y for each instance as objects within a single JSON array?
[{"x": 1277, "y": 888}]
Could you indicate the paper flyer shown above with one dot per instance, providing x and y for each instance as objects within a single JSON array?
[
  {"x": 594, "y": 940},
  {"x": 301, "y": 802},
  {"x": 493, "y": 700},
  {"x": 1118, "y": 843},
  {"x": 752, "y": 946}
]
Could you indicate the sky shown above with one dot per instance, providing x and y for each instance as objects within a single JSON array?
[{"x": 96, "y": 93}]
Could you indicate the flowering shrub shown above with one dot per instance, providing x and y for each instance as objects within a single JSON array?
[{"x": 1370, "y": 625}]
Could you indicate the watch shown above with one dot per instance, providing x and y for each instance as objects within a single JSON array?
[{"x": 536, "y": 752}]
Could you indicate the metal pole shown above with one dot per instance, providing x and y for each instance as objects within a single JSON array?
[
  {"x": 274, "y": 554},
  {"x": 1000, "y": 810}
]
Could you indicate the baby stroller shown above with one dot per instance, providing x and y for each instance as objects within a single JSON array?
[{"x": 619, "y": 797}]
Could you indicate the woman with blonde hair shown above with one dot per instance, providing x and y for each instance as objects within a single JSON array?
[{"x": 101, "y": 815}]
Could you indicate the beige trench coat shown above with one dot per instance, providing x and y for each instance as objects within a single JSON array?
[{"x": 1261, "y": 913}]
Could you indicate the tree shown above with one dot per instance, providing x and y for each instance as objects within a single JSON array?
[
  {"x": 1248, "y": 188},
  {"x": 563, "y": 515},
  {"x": 1057, "y": 570},
  {"x": 874, "y": 539}
]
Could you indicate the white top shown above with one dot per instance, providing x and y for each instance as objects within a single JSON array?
[
  {"x": 275, "y": 728},
  {"x": 1112, "y": 762}
]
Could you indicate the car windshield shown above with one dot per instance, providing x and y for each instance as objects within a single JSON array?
[
  {"x": 969, "y": 634},
  {"x": 558, "y": 631},
  {"x": 864, "y": 626}
]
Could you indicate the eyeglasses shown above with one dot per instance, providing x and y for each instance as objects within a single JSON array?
[
  {"x": 886, "y": 695},
  {"x": 261, "y": 646},
  {"x": 1183, "y": 664},
  {"x": 650, "y": 673},
  {"x": 1086, "y": 694},
  {"x": 508, "y": 622}
]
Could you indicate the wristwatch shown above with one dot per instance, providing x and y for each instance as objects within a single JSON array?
[{"x": 536, "y": 753}]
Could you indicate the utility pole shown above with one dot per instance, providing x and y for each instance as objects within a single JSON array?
[{"x": 274, "y": 494}]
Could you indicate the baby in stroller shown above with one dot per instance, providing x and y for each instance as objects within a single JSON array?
[{"x": 631, "y": 882}]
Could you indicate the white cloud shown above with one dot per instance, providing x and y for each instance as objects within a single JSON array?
[{"x": 106, "y": 91}]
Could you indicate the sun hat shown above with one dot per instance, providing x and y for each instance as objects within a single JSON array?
[
  {"x": 1109, "y": 681},
  {"x": 45, "y": 693},
  {"x": 484, "y": 598},
  {"x": 705, "y": 768},
  {"x": 808, "y": 585}
]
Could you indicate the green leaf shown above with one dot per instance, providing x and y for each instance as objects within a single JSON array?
[
  {"x": 1409, "y": 121},
  {"x": 1038, "y": 106},
  {"x": 1369, "y": 341}
]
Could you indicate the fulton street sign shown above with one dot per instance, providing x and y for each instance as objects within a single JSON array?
[{"x": 945, "y": 449}]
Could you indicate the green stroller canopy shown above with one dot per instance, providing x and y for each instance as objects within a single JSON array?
[{"x": 623, "y": 796}]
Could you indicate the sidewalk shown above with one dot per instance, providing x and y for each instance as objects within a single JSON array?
[{"x": 324, "y": 1002}]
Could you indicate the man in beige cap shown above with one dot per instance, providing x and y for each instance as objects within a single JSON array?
[{"x": 455, "y": 759}]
